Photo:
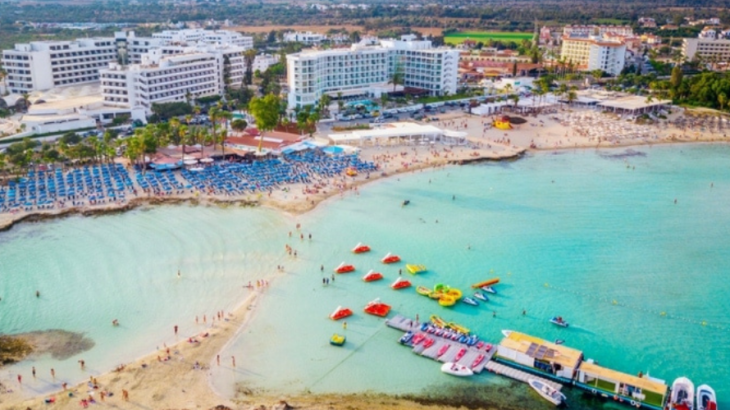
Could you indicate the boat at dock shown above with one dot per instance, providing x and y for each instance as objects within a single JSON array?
[
  {"x": 447, "y": 301},
  {"x": 415, "y": 269},
  {"x": 506, "y": 332},
  {"x": 428, "y": 343},
  {"x": 442, "y": 350},
  {"x": 340, "y": 313},
  {"x": 546, "y": 392},
  {"x": 360, "y": 248},
  {"x": 456, "y": 369},
  {"x": 389, "y": 258},
  {"x": 406, "y": 337},
  {"x": 437, "y": 321},
  {"x": 489, "y": 289},
  {"x": 683, "y": 394},
  {"x": 343, "y": 268},
  {"x": 400, "y": 283},
  {"x": 337, "y": 340},
  {"x": 488, "y": 282},
  {"x": 459, "y": 328},
  {"x": 377, "y": 308},
  {"x": 470, "y": 301},
  {"x": 477, "y": 361},
  {"x": 706, "y": 398},
  {"x": 372, "y": 276},
  {"x": 481, "y": 296},
  {"x": 559, "y": 321}
]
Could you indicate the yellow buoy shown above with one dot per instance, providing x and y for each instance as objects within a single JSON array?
[
  {"x": 546, "y": 285},
  {"x": 614, "y": 302},
  {"x": 663, "y": 313},
  {"x": 704, "y": 323}
]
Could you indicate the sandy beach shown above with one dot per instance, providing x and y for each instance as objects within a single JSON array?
[{"x": 182, "y": 381}]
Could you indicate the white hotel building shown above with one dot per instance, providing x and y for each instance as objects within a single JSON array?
[
  {"x": 160, "y": 79},
  {"x": 361, "y": 70},
  {"x": 41, "y": 65},
  {"x": 594, "y": 53}
]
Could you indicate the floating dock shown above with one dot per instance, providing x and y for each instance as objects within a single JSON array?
[{"x": 405, "y": 324}]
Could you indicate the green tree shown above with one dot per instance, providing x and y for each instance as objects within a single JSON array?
[
  {"x": 722, "y": 100},
  {"x": 265, "y": 111},
  {"x": 675, "y": 80},
  {"x": 239, "y": 124}
]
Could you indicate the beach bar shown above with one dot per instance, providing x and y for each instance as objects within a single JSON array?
[
  {"x": 636, "y": 391},
  {"x": 539, "y": 356}
]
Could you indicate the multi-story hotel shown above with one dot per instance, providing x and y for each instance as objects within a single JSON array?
[
  {"x": 41, "y": 65},
  {"x": 356, "y": 70},
  {"x": 161, "y": 79},
  {"x": 594, "y": 53},
  {"x": 594, "y": 30},
  {"x": 708, "y": 49}
]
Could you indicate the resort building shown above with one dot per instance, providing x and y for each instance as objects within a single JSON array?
[
  {"x": 130, "y": 47},
  {"x": 41, "y": 65},
  {"x": 641, "y": 390},
  {"x": 708, "y": 49},
  {"x": 263, "y": 61},
  {"x": 361, "y": 69},
  {"x": 595, "y": 53},
  {"x": 161, "y": 79},
  {"x": 594, "y": 30},
  {"x": 306, "y": 38},
  {"x": 537, "y": 355}
]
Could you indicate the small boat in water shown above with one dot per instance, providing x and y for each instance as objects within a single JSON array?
[
  {"x": 447, "y": 301},
  {"x": 706, "y": 399},
  {"x": 400, "y": 283},
  {"x": 406, "y": 337},
  {"x": 559, "y": 321},
  {"x": 340, "y": 313},
  {"x": 455, "y": 369},
  {"x": 488, "y": 282},
  {"x": 390, "y": 258},
  {"x": 489, "y": 289},
  {"x": 377, "y": 308},
  {"x": 470, "y": 301},
  {"x": 360, "y": 248},
  {"x": 559, "y": 341},
  {"x": 442, "y": 350},
  {"x": 546, "y": 392},
  {"x": 683, "y": 394},
  {"x": 372, "y": 276},
  {"x": 406, "y": 202},
  {"x": 428, "y": 343},
  {"x": 422, "y": 290},
  {"x": 344, "y": 268},
  {"x": 460, "y": 354},
  {"x": 506, "y": 332},
  {"x": 337, "y": 340},
  {"x": 414, "y": 269},
  {"x": 481, "y": 296}
]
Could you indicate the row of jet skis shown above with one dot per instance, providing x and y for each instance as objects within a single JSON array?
[{"x": 416, "y": 338}]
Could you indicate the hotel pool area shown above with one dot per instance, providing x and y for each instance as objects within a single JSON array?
[{"x": 593, "y": 236}]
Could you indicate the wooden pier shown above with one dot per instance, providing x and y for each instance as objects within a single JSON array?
[{"x": 405, "y": 324}]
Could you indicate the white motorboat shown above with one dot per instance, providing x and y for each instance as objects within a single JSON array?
[
  {"x": 548, "y": 393},
  {"x": 481, "y": 296},
  {"x": 456, "y": 369},
  {"x": 506, "y": 333},
  {"x": 683, "y": 394},
  {"x": 706, "y": 399}
]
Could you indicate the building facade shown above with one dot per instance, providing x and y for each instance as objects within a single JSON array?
[
  {"x": 707, "y": 49},
  {"x": 160, "y": 79},
  {"x": 43, "y": 65},
  {"x": 594, "y": 53},
  {"x": 594, "y": 30},
  {"x": 306, "y": 38},
  {"x": 354, "y": 71}
]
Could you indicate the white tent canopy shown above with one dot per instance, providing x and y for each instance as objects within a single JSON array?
[{"x": 385, "y": 134}]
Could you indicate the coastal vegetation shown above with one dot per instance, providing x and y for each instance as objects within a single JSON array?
[{"x": 13, "y": 349}]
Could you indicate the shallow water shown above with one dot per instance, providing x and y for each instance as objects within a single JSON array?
[
  {"x": 576, "y": 234},
  {"x": 610, "y": 243}
]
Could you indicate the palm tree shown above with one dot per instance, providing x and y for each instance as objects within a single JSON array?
[
  {"x": 507, "y": 88},
  {"x": 224, "y": 115},
  {"x": 175, "y": 126},
  {"x": 213, "y": 114},
  {"x": 397, "y": 77},
  {"x": 572, "y": 96}
]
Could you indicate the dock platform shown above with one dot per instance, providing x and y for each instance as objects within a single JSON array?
[{"x": 405, "y": 324}]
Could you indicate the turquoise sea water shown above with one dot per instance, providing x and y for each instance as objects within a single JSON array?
[{"x": 577, "y": 234}]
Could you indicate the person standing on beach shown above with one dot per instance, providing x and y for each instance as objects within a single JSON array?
[
  {"x": 20, "y": 379},
  {"x": 176, "y": 329},
  {"x": 233, "y": 359},
  {"x": 218, "y": 359},
  {"x": 33, "y": 371},
  {"x": 53, "y": 374},
  {"x": 125, "y": 395}
]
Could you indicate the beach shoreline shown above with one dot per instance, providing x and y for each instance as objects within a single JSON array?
[{"x": 156, "y": 377}]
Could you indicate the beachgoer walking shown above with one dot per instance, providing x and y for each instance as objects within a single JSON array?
[
  {"x": 20, "y": 379},
  {"x": 33, "y": 371},
  {"x": 218, "y": 359},
  {"x": 125, "y": 395},
  {"x": 102, "y": 395},
  {"x": 233, "y": 360},
  {"x": 64, "y": 385},
  {"x": 175, "y": 329},
  {"x": 53, "y": 374}
]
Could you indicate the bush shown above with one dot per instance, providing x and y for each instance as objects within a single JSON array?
[{"x": 165, "y": 111}]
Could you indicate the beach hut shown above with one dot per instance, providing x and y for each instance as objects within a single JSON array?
[
  {"x": 634, "y": 390},
  {"x": 539, "y": 356}
]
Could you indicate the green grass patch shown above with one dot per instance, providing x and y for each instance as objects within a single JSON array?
[{"x": 484, "y": 36}]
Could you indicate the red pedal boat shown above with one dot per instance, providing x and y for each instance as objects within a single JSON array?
[
  {"x": 340, "y": 313},
  {"x": 400, "y": 284},
  {"x": 460, "y": 354},
  {"x": 360, "y": 248},
  {"x": 476, "y": 361},
  {"x": 372, "y": 276},
  {"x": 390, "y": 258},
  {"x": 428, "y": 343},
  {"x": 377, "y": 308},
  {"x": 442, "y": 350},
  {"x": 344, "y": 268}
]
